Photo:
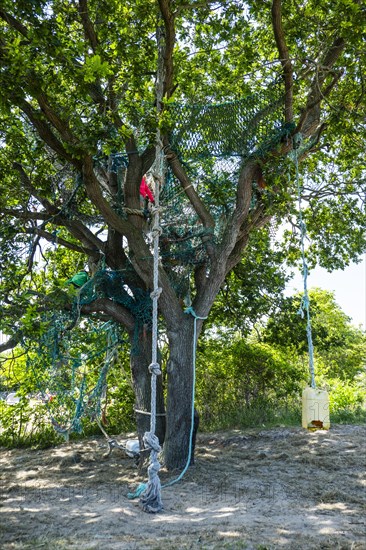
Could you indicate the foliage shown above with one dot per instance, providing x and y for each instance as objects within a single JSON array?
[
  {"x": 83, "y": 382},
  {"x": 238, "y": 378},
  {"x": 26, "y": 424},
  {"x": 258, "y": 379},
  {"x": 340, "y": 347},
  {"x": 252, "y": 290},
  {"x": 346, "y": 395}
]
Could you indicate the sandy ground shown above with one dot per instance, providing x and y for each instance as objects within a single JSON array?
[{"x": 279, "y": 488}]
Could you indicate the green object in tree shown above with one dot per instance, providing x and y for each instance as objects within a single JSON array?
[{"x": 79, "y": 279}]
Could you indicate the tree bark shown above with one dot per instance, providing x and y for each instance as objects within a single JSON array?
[
  {"x": 140, "y": 360},
  {"x": 179, "y": 400}
]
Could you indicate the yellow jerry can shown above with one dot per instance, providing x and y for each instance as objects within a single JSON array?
[{"x": 315, "y": 409}]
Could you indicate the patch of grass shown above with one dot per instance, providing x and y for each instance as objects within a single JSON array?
[
  {"x": 264, "y": 415},
  {"x": 271, "y": 415},
  {"x": 349, "y": 416}
]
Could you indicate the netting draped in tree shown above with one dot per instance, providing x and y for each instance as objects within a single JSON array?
[
  {"x": 116, "y": 285},
  {"x": 241, "y": 128},
  {"x": 211, "y": 142},
  {"x": 70, "y": 374}
]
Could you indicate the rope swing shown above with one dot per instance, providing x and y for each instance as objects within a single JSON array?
[
  {"x": 315, "y": 402},
  {"x": 305, "y": 302},
  {"x": 151, "y": 497}
]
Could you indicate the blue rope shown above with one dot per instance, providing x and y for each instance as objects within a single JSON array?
[
  {"x": 305, "y": 302},
  {"x": 189, "y": 310}
]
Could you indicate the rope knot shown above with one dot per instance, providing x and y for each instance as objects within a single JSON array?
[
  {"x": 151, "y": 441},
  {"x": 154, "y": 368},
  {"x": 190, "y": 310},
  {"x": 156, "y": 293},
  {"x": 156, "y": 232}
]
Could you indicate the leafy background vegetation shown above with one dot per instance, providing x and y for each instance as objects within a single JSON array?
[{"x": 246, "y": 376}]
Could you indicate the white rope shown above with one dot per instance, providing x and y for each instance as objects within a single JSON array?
[
  {"x": 148, "y": 413},
  {"x": 151, "y": 497}
]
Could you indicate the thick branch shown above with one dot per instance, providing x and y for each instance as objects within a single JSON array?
[
  {"x": 332, "y": 55},
  {"x": 46, "y": 133},
  {"x": 258, "y": 219},
  {"x": 116, "y": 311},
  {"x": 25, "y": 214},
  {"x": 61, "y": 126},
  {"x": 284, "y": 58},
  {"x": 310, "y": 118},
  {"x": 245, "y": 190},
  {"x": 89, "y": 30},
  {"x": 50, "y": 237},
  {"x": 14, "y": 23},
  {"x": 179, "y": 172},
  {"x": 169, "y": 35}
]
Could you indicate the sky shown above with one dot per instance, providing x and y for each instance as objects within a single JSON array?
[{"x": 349, "y": 287}]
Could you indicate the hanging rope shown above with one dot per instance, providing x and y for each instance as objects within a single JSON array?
[
  {"x": 151, "y": 496},
  {"x": 190, "y": 311},
  {"x": 305, "y": 302}
]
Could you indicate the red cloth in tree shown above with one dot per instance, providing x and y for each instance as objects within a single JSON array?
[{"x": 145, "y": 190}]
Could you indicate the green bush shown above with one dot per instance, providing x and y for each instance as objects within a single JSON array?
[
  {"x": 28, "y": 423},
  {"x": 244, "y": 384},
  {"x": 24, "y": 425},
  {"x": 345, "y": 395}
]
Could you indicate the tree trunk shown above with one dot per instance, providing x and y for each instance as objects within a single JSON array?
[
  {"x": 140, "y": 360},
  {"x": 179, "y": 399}
]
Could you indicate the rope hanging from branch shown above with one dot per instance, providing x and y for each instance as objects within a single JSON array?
[
  {"x": 305, "y": 302},
  {"x": 190, "y": 311},
  {"x": 151, "y": 497}
]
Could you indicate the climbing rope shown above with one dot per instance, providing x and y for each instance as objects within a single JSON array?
[
  {"x": 151, "y": 496},
  {"x": 305, "y": 302}
]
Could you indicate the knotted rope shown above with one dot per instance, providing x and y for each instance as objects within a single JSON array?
[
  {"x": 151, "y": 496},
  {"x": 305, "y": 302},
  {"x": 143, "y": 489}
]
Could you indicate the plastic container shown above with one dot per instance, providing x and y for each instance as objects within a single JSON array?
[{"x": 315, "y": 409}]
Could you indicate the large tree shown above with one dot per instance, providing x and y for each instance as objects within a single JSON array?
[{"x": 85, "y": 86}]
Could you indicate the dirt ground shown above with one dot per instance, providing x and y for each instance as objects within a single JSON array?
[{"x": 279, "y": 488}]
